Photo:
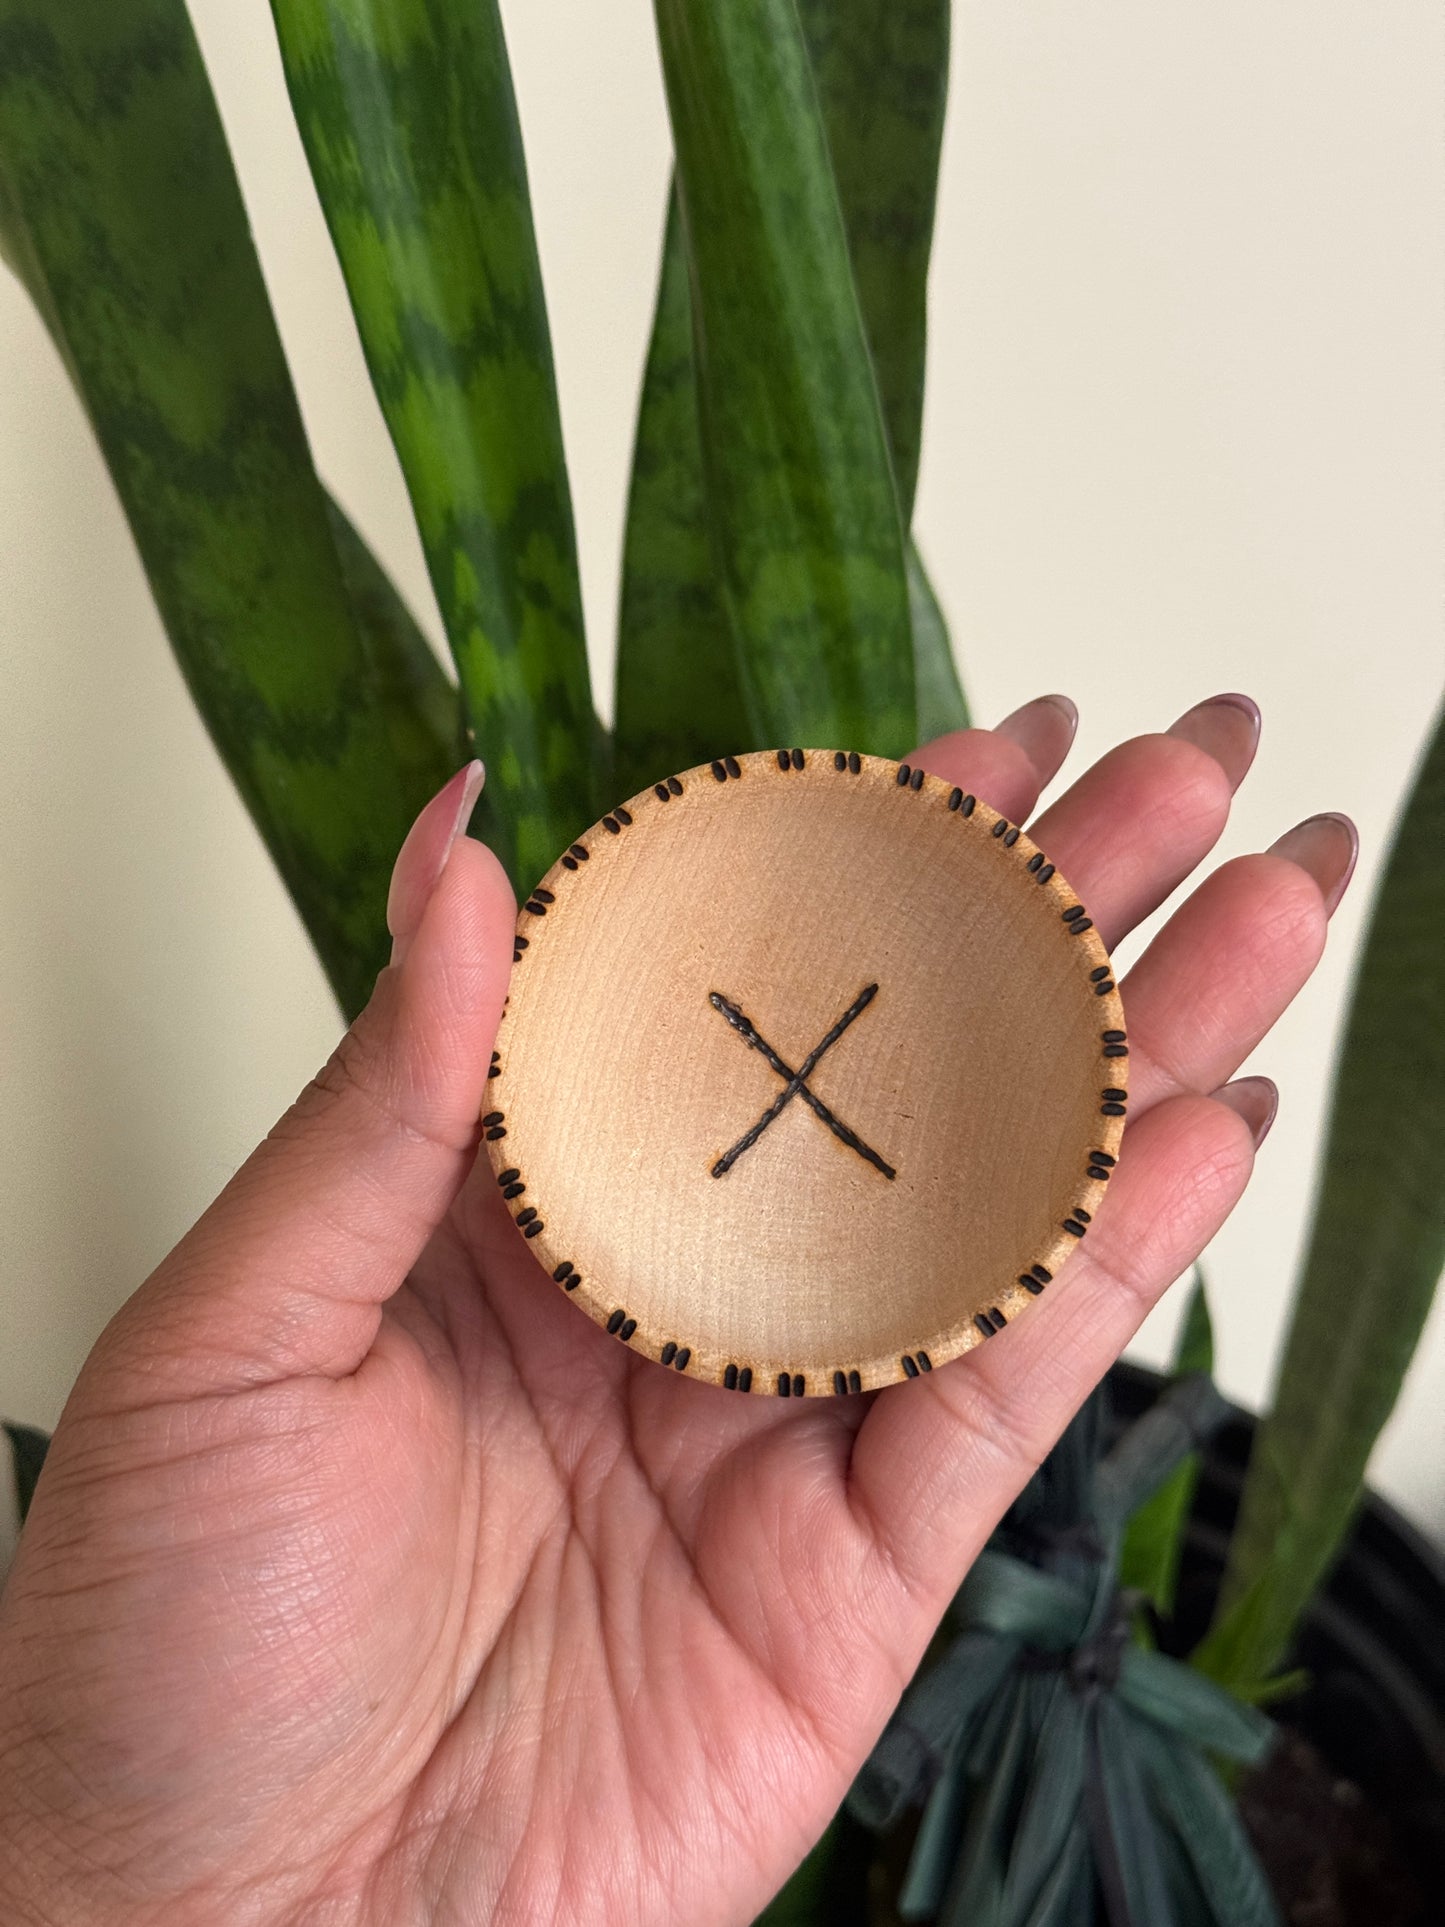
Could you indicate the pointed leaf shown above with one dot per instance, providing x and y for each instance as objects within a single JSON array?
[
  {"x": 1374, "y": 1257},
  {"x": 410, "y": 125},
  {"x": 800, "y": 490},
  {"x": 120, "y": 210},
  {"x": 679, "y": 685}
]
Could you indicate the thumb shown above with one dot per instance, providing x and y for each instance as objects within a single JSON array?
[{"x": 287, "y": 1271}]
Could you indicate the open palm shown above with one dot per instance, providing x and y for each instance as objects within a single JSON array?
[{"x": 345, "y": 1598}]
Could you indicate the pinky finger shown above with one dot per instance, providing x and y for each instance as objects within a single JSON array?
[{"x": 937, "y": 1462}]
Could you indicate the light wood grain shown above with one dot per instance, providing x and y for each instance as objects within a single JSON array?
[{"x": 986, "y": 1073}]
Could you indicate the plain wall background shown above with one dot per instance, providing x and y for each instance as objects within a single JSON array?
[{"x": 1186, "y": 432}]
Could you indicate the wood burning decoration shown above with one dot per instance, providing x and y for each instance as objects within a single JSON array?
[{"x": 811, "y": 1076}]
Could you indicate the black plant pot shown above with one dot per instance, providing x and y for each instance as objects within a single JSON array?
[{"x": 1373, "y": 1645}]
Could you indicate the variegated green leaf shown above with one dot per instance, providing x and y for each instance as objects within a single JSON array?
[
  {"x": 1373, "y": 1260},
  {"x": 799, "y": 487},
  {"x": 881, "y": 74},
  {"x": 119, "y": 209},
  {"x": 410, "y": 125}
]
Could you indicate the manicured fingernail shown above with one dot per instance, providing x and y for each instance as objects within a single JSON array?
[
  {"x": 1044, "y": 730},
  {"x": 1225, "y": 727},
  {"x": 1256, "y": 1099},
  {"x": 1326, "y": 846},
  {"x": 423, "y": 855}
]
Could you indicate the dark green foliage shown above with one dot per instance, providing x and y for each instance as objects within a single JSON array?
[
  {"x": 802, "y": 507},
  {"x": 1372, "y": 1263},
  {"x": 121, "y": 212},
  {"x": 881, "y": 71},
  {"x": 1035, "y": 1744},
  {"x": 881, "y": 75},
  {"x": 407, "y": 114},
  {"x": 679, "y": 683}
]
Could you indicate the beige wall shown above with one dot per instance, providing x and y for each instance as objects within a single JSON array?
[{"x": 1184, "y": 434}]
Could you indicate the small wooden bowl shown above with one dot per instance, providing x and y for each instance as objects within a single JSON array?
[{"x": 812, "y": 1073}]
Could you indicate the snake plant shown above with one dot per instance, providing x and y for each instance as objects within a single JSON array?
[{"x": 772, "y": 592}]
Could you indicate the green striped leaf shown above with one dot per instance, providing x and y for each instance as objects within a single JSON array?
[
  {"x": 800, "y": 493},
  {"x": 881, "y": 70},
  {"x": 1372, "y": 1263},
  {"x": 410, "y": 125},
  {"x": 422, "y": 703},
  {"x": 679, "y": 683},
  {"x": 120, "y": 211},
  {"x": 881, "y": 74}
]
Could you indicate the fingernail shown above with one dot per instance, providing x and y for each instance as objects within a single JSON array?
[
  {"x": 1256, "y": 1099},
  {"x": 1225, "y": 727},
  {"x": 1326, "y": 846},
  {"x": 1044, "y": 730},
  {"x": 423, "y": 855}
]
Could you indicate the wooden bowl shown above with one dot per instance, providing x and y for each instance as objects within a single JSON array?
[{"x": 812, "y": 1074}]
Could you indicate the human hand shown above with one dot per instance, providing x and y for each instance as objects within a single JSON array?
[{"x": 368, "y": 1582}]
